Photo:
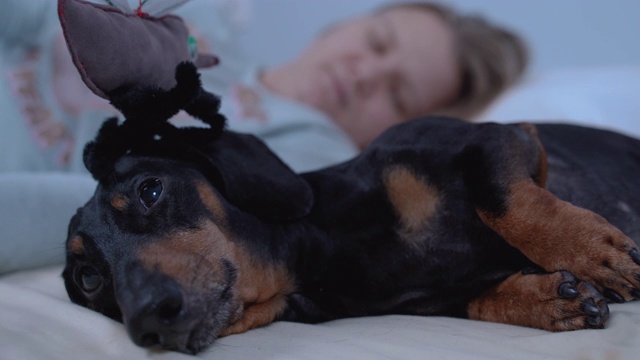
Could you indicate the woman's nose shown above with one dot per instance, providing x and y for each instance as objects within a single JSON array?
[{"x": 366, "y": 74}]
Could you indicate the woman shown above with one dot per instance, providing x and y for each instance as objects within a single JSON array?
[
  {"x": 402, "y": 61},
  {"x": 356, "y": 79},
  {"x": 362, "y": 75}
]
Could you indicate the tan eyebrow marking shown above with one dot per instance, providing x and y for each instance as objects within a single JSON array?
[
  {"x": 76, "y": 245},
  {"x": 119, "y": 202}
]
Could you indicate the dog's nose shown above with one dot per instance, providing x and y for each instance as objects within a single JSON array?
[
  {"x": 157, "y": 314},
  {"x": 154, "y": 323}
]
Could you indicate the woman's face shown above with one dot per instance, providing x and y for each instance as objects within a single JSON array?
[{"x": 378, "y": 70}]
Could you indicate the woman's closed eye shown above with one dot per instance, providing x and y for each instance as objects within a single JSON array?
[
  {"x": 376, "y": 42},
  {"x": 381, "y": 36}
]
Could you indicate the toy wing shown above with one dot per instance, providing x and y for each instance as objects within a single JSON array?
[{"x": 113, "y": 45}]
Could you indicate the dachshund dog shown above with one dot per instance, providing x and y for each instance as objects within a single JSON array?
[{"x": 196, "y": 233}]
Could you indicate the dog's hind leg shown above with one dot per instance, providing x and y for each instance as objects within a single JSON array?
[{"x": 555, "y": 302}]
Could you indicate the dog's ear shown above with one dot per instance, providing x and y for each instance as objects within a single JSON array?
[{"x": 255, "y": 180}]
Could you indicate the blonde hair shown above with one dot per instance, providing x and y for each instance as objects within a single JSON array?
[{"x": 491, "y": 58}]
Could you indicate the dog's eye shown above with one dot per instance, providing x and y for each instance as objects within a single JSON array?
[
  {"x": 150, "y": 191},
  {"x": 90, "y": 278}
]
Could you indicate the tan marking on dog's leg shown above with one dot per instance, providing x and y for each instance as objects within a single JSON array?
[
  {"x": 76, "y": 245},
  {"x": 541, "y": 178},
  {"x": 119, "y": 202},
  {"x": 533, "y": 300},
  {"x": 560, "y": 236},
  {"x": 257, "y": 315},
  {"x": 414, "y": 200}
]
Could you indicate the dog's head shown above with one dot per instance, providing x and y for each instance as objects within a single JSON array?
[{"x": 164, "y": 242}]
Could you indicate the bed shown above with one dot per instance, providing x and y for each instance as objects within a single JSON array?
[{"x": 37, "y": 320}]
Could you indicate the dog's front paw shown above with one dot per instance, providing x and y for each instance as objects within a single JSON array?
[
  {"x": 611, "y": 261},
  {"x": 552, "y": 301},
  {"x": 594, "y": 250},
  {"x": 578, "y": 305},
  {"x": 557, "y": 235}
]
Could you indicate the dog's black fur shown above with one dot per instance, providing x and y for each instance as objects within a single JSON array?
[{"x": 196, "y": 233}]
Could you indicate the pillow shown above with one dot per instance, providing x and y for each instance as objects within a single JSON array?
[
  {"x": 604, "y": 97},
  {"x": 34, "y": 214}
]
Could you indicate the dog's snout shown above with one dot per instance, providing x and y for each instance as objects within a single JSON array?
[
  {"x": 155, "y": 313},
  {"x": 159, "y": 321},
  {"x": 170, "y": 307}
]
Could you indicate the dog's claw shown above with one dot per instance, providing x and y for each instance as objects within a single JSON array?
[
  {"x": 612, "y": 295},
  {"x": 635, "y": 293},
  {"x": 568, "y": 290},
  {"x": 590, "y": 308},
  {"x": 594, "y": 320},
  {"x": 635, "y": 255}
]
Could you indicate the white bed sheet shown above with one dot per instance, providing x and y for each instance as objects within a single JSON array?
[{"x": 37, "y": 321}]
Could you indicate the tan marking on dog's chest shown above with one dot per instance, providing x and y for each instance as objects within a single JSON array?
[{"x": 414, "y": 200}]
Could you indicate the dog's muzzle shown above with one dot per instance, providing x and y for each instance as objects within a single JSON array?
[{"x": 154, "y": 310}]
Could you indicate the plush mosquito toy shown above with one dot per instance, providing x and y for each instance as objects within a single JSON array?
[
  {"x": 145, "y": 63},
  {"x": 113, "y": 45}
]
